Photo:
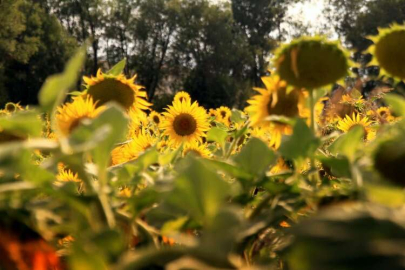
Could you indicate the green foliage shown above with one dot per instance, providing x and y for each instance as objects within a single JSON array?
[
  {"x": 302, "y": 144},
  {"x": 54, "y": 90}
]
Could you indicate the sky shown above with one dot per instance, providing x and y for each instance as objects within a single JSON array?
[{"x": 309, "y": 13}]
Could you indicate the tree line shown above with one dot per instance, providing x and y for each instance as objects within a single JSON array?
[{"x": 216, "y": 52}]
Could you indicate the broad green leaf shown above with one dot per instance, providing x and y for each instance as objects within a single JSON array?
[
  {"x": 348, "y": 144},
  {"x": 20, "y": 163},
  {"x": 54, "y": 89},
  {"x": 396, "y": 103},
  {"x": 385, "y": 195},
  {"x": 301, "y": 144},
  {"x": 256, "y": 157},
  {"x": 149, "y": 157},
  {"x": 229, "y": 169},
  {"x": 351, "y": 236},
  {"x": 167, "y": 158},
  {"x": 237, "y": 116},
  {"x": 23, "y": 124},
  {"x": 198, "y": 191},
  {"x": 174, "y": 225},
  {"x": 218, "y": 135},
  {"x": 117, "y": 122},
  {"x": 118, "y": 68},
  {"x": 339, "y": 166},
  {"x": 82, "y": 259}
]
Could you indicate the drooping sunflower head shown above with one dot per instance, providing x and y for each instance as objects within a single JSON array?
[
  {"x": 199, "y": 149},
  {"x": 155, "y": 118},
  {"x": 389, "y": 157},
  {"x": 131, "y": 150},
  {"x": 105, "y": 88},
  {"x": 311, "y": 62},
  {"x": 348, "y": 123},
  {"x": 275, "y": 100},
  {"x": 388, "y": 50},
  {"x": 182, "y": 96},
  {"x": 70, "y": 115},
  {"x": 185, "y": 122}
]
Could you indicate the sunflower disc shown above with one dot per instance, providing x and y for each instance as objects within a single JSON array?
[
  {"x": 311, "y": 63},
  {"x": 388, "y": 50}
]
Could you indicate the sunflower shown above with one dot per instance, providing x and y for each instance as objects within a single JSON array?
[
  {"x": 138, "y": 120},
  {"x": 348, "y": 123},
  {"x": 224, "y": 115},
  {"x": 182, "y": 96},
  {"x": 156, "y": 118},
  {"x": 133, "y": 149},
  {"x": 212, "y": 113},
  {"x": 280, "y": 167},
  {"x": 69, "y": 116},
  {"x": 277, "y": 130},
  {"x": 388, "y": 52},
  {"x": 200, "y": 150},
  {"x": 185, "y": 122},
  {"x": 105, "y": 87},
  {"x": 66, "y": 175},
  {"x": 384, "y": 115},
  {"x": 12, "y": 107},
  {"x": 274, "y": 100}
]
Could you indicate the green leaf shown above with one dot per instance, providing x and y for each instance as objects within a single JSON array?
[
  {"x": 348, "y": 144},
  {"x": 113, "y": 117},
  {"x": 302, "y": 144},
  {"x": 23, "y": 124},
  {"x": 227, "y": 168},
  {"x": 256, "y": 157},
  {"x": 54, "y": 90},
  {"x": 118, "y": 68},
  {"x": 237, "y": 116},
  {"x": 218, "y": 135},
  {"x": 174, "y": 225},
  {"x": 385, "y": 195},
  {"x": 198, "y": 191},
  {"x": 396, "y": 103},
  {"x": 339, "y": 166}
]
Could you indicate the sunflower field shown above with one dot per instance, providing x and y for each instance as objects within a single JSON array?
[{"x": 303, "y": 178}]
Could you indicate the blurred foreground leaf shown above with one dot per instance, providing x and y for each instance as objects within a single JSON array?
[{"x": 54, "y": 89}]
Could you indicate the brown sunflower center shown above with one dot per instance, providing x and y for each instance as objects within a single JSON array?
[
  {"x": 184, "y": 124},
  {"x": 75, "y": 123},
  {"x": 156, "y": 119},
  {"x": 10, "y": 107},
  {"x": 223, "y": 114},
  {"x": 286, "y": 105},
  {"x": 112, "y": 90}
]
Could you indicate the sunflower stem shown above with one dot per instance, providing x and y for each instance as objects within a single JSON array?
[{"x": 313, "y": 128}]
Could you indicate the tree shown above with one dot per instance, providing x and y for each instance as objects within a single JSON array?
[
  {"x": 154, "y": 33},
  {"x": 85, "y": 20},
  {"x": 42, "y": 48},
  {"x": 210, "y": 54},
  {"x": 256, "y": 20}
]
